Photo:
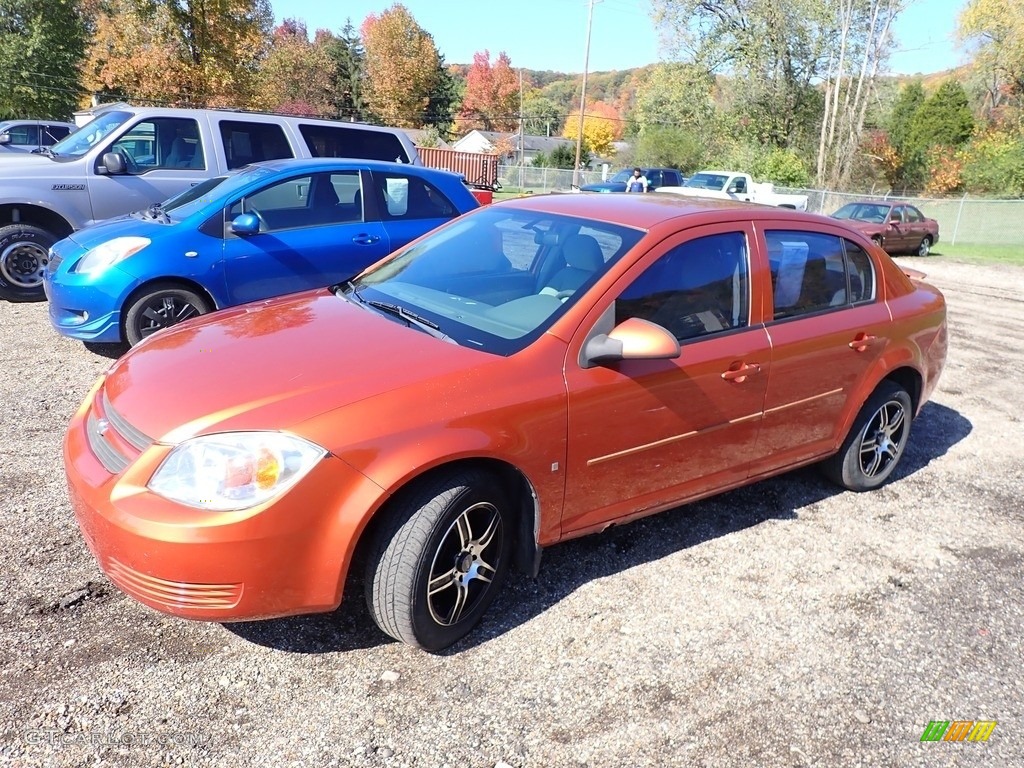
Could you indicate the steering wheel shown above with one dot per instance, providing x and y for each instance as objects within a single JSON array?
[{"x": 129, "y": 161}]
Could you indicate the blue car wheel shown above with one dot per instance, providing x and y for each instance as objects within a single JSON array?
[{"x": 160, "y": 306}]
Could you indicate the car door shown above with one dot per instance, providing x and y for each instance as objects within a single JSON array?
[
  {"x": 409, "y": 205},
  {"x": 315, "y": 231},
  {"x": 644, "y": 434},
  {"x": 898, "y": 238},
  {"x": 828, "y": 327},
  {"x": 153, "y": 174}
]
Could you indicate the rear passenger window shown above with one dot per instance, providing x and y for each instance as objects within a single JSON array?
[
  {"x": 862, "y": 273},
  {"x": 247, "y": 142},
  {"x": 410, "y": 197},
  {"x": 55, "y": 133},
  {"x": 367, "y": 144},
  {"x": 811, "y": 273}
]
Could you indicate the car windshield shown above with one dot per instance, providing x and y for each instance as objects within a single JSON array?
[
  {"x": 192, "y": 200},
  {"x": 621, "y": 176},
  {"x": 495, "y": 279},
  {"x": 712, "y": 181},
  {"x": 184, "y": 204},
  {"x": 875, "y": 214},
  {"x": 90, "y": 134}
]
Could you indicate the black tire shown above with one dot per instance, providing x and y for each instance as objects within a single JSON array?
[
  {"x": 925, "y": 247},
  {"x": 876, "y": 441},
  {"x": 24, "y": 254},
  {"x": 453, "y": 531},
  {"x": 877, "y": 240},
  {"x": 158, "y": 306}
]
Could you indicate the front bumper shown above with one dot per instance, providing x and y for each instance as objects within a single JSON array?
[
  {"x": 286, "y": 557},
  {"x": 84, "y": 306}
]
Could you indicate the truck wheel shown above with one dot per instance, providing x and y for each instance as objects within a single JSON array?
[
  {"x": 160, "y": 306},
  {"x": 24, "y": 254}
]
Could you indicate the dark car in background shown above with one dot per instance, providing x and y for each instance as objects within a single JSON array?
[
  {"x": 656, "y": 177},
  {"x": 897, "y": 227}
]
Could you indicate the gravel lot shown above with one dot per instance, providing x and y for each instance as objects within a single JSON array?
[{"x": 785, "y": 624}]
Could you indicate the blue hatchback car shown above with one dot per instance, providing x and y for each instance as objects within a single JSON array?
[{"x": 267, "y": 229}]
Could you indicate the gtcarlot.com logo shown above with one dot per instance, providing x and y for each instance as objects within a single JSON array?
[{"x": 958, "y": 730}]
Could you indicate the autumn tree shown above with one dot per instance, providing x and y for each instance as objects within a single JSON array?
[
  {"x": 402, "y": 67},
  {"x": 677, "y": 95},
  {"x": 42, "y": 43},
  {"x": 996, "y": 29},
  {"x": 600, "y": 126},
  {"x": 197, "y": 52},
  {"x": 296, "y": 77},
  {"x": 491, "y": 100}
]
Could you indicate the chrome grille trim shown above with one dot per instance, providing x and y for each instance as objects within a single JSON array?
[
  {"x": 139, "y": 440},
  {"x": 111, "y": 459}
]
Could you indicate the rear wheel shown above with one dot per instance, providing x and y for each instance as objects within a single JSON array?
[
  {"x": 925, "y": 247},
  {"x": 160, "y": 306},
  {"x": 876, "y": 441},
  {"x": 24, "y": 254},
  {"x": 439, "y": 559}
]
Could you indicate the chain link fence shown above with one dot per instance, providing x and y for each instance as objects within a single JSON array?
[{"x": 964, "y": 220}]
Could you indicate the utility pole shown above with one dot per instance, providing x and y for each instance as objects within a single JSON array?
[
  {"x": 583, "y": 99},
  {"x": 522, "y": 150}
]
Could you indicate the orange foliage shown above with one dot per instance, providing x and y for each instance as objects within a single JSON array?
[
  {"x": 402, "y": 67},
  {"x": 491, "y": 101},
  {"x": 945, "y": 170}
]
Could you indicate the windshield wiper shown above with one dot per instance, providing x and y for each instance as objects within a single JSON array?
[
  {"x": 410, "y": 317},
  {"x": 44, "y": 151}
]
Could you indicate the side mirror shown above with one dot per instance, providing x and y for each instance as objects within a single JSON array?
[
  {"x": 246, "y": 224},
  {"x": 112, "y": 164},
  {"x": 632, "y": 339},
  {"x": 5, "y": 138}
]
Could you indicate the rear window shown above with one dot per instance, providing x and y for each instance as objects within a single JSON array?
[
  {"x": 247, "y": 142},
  {"x": 363, "y": 143}
]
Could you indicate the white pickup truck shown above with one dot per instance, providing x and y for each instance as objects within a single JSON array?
[{"x": 730, "y": 185}]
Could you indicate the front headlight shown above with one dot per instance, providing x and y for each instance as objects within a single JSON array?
[
  {"x": 110, "y": 253},
  {"x": 234, "y": 470}
]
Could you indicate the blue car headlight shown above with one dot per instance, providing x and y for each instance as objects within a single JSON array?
[{"x": 108, "y": 254}]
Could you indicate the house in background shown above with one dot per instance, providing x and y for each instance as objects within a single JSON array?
[
  {"x": 486, "y": 141},
  {"x": 418, "y": 136}
]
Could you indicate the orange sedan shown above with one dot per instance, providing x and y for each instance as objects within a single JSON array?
[{"x": 531, "y": 372}]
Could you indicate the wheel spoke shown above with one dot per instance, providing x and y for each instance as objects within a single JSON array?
[
  {"x": 187, "y": 311},
  {"x": 492, "y": 528},
  {"x": 480, "y": 567},
  {"x": 868, "y": 446},
  {"x": 872, "y": 468},
  {"x": 895, "y": 422},
  {"x": 460, "y": 601},
  {"x": 465, "y": 531},
  {"x": 442, "y": 582}
]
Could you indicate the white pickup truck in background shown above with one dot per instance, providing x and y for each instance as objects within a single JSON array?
[{"x": 730, "y": 185}]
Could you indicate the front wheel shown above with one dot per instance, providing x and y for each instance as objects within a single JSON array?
[
  {"x": 925, "y": 247},
  {"x": 876, "y": 442},
  {"x": 24, "y": 254},
  {"x": 160, "y": 306},
  {"x": 439, "y": 559}
]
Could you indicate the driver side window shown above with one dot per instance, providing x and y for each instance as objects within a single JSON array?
[
  {"x": 697, "y": 288},
  {"x": 164, "y": 142}
]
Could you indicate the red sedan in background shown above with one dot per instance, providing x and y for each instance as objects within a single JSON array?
[
  {"x": 897, "y": 227},
  {"x": 536, "y": 370}
]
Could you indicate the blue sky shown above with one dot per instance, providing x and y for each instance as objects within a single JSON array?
[{"x": 551, "y": 34}]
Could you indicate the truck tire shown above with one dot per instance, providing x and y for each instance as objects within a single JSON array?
[{"x": 24, "y": 254}]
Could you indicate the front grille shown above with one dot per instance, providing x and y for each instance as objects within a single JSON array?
[
  {"x": 172, "y": 594},
  {"x": 104, "y": 420},
  {"x": 134, "y": 436},
  {"x": 111, "y": 459}
]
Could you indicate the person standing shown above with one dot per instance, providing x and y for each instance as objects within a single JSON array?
[{"x": 637, "y": 182}]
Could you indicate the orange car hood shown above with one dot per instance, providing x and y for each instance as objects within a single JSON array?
[{"x": 273, "y": 365}]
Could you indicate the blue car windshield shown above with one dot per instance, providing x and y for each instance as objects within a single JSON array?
[
  {"x": 219, "y": 189},
  {"x": 90, "y": 134},
  {"x": 496, "y": 279}
]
